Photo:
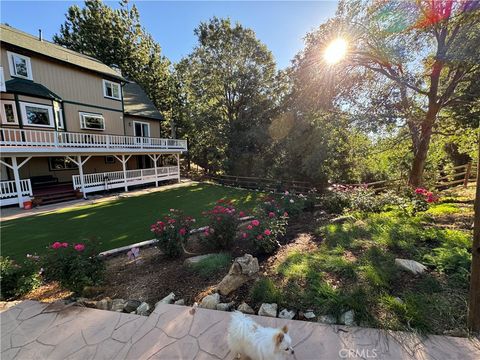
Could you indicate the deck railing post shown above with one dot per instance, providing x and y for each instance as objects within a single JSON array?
[
  {"x": 82, "y": 180},
  {"x": 16, "y": 176},
  {"x": 124, "y": 166},
  {"x": 178, "y": 167}
]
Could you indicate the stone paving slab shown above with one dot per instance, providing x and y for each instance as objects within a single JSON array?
[{"x": 32, "y": 330}]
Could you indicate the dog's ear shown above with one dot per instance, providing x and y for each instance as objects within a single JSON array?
[
  {"x": 285, "y": 329},
  {"x": 279, "y": 338}
]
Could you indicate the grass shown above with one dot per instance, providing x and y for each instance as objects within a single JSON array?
[
  {"x": 113, "y": 223},
  {"x": 212, "y": 264},
  {"x": 354, "y": 268}
]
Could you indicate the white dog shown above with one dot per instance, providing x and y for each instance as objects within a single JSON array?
[{"x": 247, "y": 338}]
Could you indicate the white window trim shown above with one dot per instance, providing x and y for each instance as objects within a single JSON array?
[
  {"x": 13, "y": 69},
  {"x": 57, "y": 109},
  {"x": 3, "y": 87},
  {"x": 83, "y": 125},
  {"x": 4, "y": 114},
  {"x": 23, "y": 110},
  {"x": 105, "y": 90},
  {"x": 143, "y": 123}
]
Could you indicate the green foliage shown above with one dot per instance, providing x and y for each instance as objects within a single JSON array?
[
  {"x": 265, "y": 291},
  {"x": 17, "y": 279},
  {"x": 173, "y": 232},
  {"x": 212, "y": 265},
  {"x": 222, "y": 225},
  {"x": 264, "y": 232},
  {"x": 73, "y": 266}
]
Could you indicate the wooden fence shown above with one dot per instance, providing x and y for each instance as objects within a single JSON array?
[{"x": 462, "y": 174}]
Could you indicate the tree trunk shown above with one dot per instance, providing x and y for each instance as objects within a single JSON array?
[{"x": 474, "y": 301}]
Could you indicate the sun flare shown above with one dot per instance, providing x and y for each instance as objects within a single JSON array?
[{"x": 336, "y": 51}]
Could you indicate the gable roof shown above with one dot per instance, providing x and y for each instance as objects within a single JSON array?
[
  {"x": 26, "y": 41},
  {"x": 30, "y": 88},
  {"x": 137, "y": 103}
]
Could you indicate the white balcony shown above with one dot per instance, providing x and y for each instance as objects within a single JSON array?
[
  {"x": 20, "y": 141},
  {"x": 9, "y": 194}
]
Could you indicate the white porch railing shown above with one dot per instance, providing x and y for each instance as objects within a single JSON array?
[
  {"x": 9, "y": 193},
  {"x": 38, "y": 140},
  {"x": 115, "y": 179}
]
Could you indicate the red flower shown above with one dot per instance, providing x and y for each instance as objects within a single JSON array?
[
  {"x": 79, "y": 247},
  {"x": 241, "y": 214},
  {"x": 182, "y": 231},
  {"x": 64, "y": 244},
  {"x": 271, "y": 214},
  {"x": 267, "y": 232},
  {"x": 56, "y": 245},
  {"x": 255, "y": 222},
  {"x": 244, "y": 235},
  {"x": 285, "y": 213},
  {"x": 259, "y": 237},
  {"x": 249, "y": 227}
]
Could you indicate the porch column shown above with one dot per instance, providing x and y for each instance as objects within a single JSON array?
[
  {"x": 124, "y": 165},
  {"x": 178, "y": 167},
  {"x": 155, "y": 159},
  {"x": 80, "y": 171},
  {"x": 16, "y": 176}
]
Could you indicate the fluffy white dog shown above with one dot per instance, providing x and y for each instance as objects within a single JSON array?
[{"x": 247, "y": 338}]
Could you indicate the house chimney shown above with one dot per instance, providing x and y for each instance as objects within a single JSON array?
[{"x": 40, "y": 36}]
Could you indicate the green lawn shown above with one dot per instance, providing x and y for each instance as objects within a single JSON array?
[{"x": 113, "y": 223}]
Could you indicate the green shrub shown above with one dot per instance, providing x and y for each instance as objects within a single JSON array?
[
  {"x": 73, "y": 266},
  {"x": 173, "y": 233},
  {"x": 264, "y": 233},
  {"x": 212, "y": 264},
  {"x": 265, "y": 291},
  {"x": 222, "y": 225},
  {"x": 450, "y": 260},
  {"x": 17, "y": 280}
]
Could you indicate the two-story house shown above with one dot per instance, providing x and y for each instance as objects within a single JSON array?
[{"x": 70, "y": 123}]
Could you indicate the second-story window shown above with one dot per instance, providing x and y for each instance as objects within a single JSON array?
[
  {"x": 111, "y": 90},
  {"x": 90, "y": 121},
  {"x": 37, "y": 114},
  {"x": 9, "y": 112},
  {"x": 20, "y": 66}
]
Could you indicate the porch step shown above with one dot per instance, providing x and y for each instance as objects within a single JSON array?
[{"x": 53, "y": 198}]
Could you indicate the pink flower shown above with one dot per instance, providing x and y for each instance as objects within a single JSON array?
[
  {"x": 285, "y": 213},
  {"x": 244, "y": 235},
  {"x": 286, "y": 192},
  {"x": 420, "y": 191},
  {"x": 255, "y": 222},
  {"x": 207, "y": 232},
  {"x": 259, "y": 237},
  {"x": 79, "y": 247},
  {"x": 182, "y": 231},
  {"x": 271, "y": 214},
  {"x": 64, "y": 244},
  {"x": 241, "y": 214},
  {"x": 249, "y": 227},
  {"x": 267, "y": 232},
  {"x": 56, "y": 245}
]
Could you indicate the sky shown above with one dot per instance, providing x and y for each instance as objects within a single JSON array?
[{"x": 281, "y": 25}]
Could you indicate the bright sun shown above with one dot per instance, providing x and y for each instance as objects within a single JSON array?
[{"x": 335, "y": 51}]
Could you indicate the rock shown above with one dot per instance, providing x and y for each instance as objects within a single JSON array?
[
  {"x": 348, "y": 318},
  {"x": 180, "y": 302},
  {"x": 196, "y": 259},
  {"x": 92, "y": 291},
  {"x": 104, "y": 304},
  {"x": 343, "y": 219},
  {"x": 86, "y": 303},
  {"x": 242, "y": 270},
  {"x": 143, "y": 309},
  {"x": 118, "y": 305},
  {"x": 411, "y": 265},
  {"x": 167, "y": 299},
  {"x": 245, "y": 308},
  {"x": 268, "y": 310},
  {"x": 327, "y": 319},
  {"x": 309, "y": 315},
  {"x": 210, "y": 301},
  {"x": 225, "y": 306},
  {"x": 286, "y": 314},
  {"x": 131, "y": 305}
]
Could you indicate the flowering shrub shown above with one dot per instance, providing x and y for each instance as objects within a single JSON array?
[
  {"x": 74, "y": 266},
  {"x": 18, "y": 279},
  {"x": 421, "y": 198},
  {"x": 287, "y": 203},
  {"x": 173, "y": 232},
  {"x": 264, "y": 232},
  {"x": 222, "y": 225}
]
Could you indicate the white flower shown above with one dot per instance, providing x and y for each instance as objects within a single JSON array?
[{"x": 291, "y": 201}]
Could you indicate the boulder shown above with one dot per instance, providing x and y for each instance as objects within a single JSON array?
[
  {"x": 131, "y": 305},
  {"x": 268, "y": 310},
  {"x": 210, "y": 301},
  {"x": 118, "y": 305},
  {"x": 225, "y": 306},
  {"x": 104, "y": 304},
  {"x": 411, "y": 265},
  {"x": 242, "y": 270},
  {"x": 327, "y": 319},
  {"x": 245, "y": 308},
  {"x": 196, "y": 259},
  {"x": 167, "y": 299},
  {"x": 143, "y": 309},
  {"x": 287, "y": 314},
  {"x": 348, "y": 318},
  {"x": 309, "y": 315},
  {"x": 180, "y": 302},
  {"x": 343, "y": 219}
]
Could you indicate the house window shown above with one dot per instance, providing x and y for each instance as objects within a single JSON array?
[
  {"x": 92, "y": 121},
  {"x": 9, "y": 112},
  {"x": 37, "y": 114},
  {"x": 58, "y": 115},
  {"x": 20, "y": 66},
  {"x": 109, "y": 159},
  {"x": 61, "y": 163},
  {"x": 111, "y": 90}
]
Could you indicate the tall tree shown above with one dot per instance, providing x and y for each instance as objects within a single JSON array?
[
  {"x": 405, "y": 63},
  {"x": 116, "y": 37},
  {"x": 229, "y": 84}
]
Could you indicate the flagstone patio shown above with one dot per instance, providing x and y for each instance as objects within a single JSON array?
[{"x": 33, "y": 330}]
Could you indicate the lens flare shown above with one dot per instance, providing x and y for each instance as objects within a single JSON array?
[{"x": 336, "y": 51}]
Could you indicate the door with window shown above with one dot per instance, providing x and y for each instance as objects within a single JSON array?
[{"x": 141, "y": 132}]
